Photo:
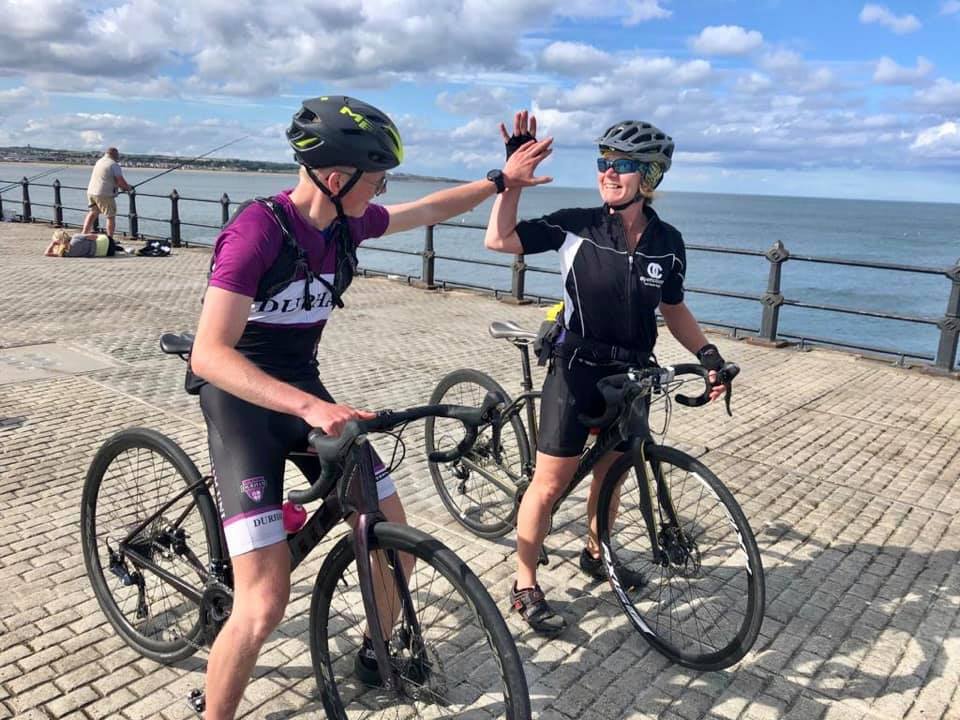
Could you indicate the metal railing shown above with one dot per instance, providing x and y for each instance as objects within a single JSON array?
[{"x": 771, "y": 301}]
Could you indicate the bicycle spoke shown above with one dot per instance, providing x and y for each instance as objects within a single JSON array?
[{"x": 699, "y": 600}]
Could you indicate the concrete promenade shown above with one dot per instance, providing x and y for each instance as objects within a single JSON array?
[{"x": 847, "y": 468}]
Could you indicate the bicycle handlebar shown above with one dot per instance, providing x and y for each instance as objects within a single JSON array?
[
  {"x": 331, "y": 450},
  {"x": 616, "y": 389}
]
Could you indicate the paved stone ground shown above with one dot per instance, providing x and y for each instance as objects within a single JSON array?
[{"x": 848, "y": 470}]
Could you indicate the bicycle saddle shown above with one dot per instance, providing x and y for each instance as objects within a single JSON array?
[
  {"x": 173, "y": 344},
  {"x": 511, "y": 331}
]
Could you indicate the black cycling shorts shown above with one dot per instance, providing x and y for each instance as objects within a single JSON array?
[
  {"x": 248, "y": 448},
  {"x": 570, "y": 390}
]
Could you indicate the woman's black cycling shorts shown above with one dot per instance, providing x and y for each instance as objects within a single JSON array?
[{"x": 569, "y": 390}]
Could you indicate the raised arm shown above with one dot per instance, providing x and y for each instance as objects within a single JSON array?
[
  {"x": 522, "y": 149},
  {"x": 445, "y": 204}
]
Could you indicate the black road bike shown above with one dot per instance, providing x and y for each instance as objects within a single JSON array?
[
  {"x": 660, "y": 511},
  {"x": 155, "y": 554}
]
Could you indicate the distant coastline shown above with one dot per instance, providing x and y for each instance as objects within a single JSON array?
[{"x": 86, "y": 158}]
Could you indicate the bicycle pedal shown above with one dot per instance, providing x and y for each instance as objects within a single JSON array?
[{"x": 197, "y": 701}]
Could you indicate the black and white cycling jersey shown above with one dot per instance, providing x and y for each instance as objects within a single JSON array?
[{"x": 609, "y": 293}]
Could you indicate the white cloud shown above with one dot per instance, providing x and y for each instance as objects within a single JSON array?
[
  {"x": 889, "y": 73},
  {"x": 942, "y": 96},
  {"x": 781, "y": 61},
  {"x": 950, "y": 7},
  {"x": 726, "y": 40},
  {"x": 697, "y": 158},
  {"x": 643, "y": 10},
  {"x": 753, "y": 82},
  {"x": 942, "y": 141},
  {"x": 574, "y": 58},
  {"x": 881, "y": 15},
  {"x": 16, "y": 98},
  {"x": 484, "y": 101}
]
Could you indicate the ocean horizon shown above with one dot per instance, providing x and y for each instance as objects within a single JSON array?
[{"x": 882, "y": 231}]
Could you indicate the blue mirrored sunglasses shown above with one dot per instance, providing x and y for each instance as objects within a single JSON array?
[{"x": 621, "y": 166}]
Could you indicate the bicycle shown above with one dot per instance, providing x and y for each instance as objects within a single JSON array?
[
  {"x": 703, "y": 602},
  {"x": 155, "y": 554}
]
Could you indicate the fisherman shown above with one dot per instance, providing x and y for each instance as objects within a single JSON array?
[{"x": 105, "y": 180}]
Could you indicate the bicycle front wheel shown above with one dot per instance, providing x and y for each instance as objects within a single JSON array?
[
  {"x": 131, "y": 482},
  {"x": 703, "y": 601},
  {"x": 480, "y": 488},
  {"x": 457, "y": 660}
]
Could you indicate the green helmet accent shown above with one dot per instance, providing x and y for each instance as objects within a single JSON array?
[{"x": 339, "y": 130}]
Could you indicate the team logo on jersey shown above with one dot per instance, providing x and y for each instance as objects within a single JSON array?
[
  {"x": 655, "y": 271},
  {"x": 253, "y": 488}
]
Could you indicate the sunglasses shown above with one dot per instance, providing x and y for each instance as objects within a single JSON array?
[
  {"x": 621, "y": 166},
  {"x": 380, "y": 187}
]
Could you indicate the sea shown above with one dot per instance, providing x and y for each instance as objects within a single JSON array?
[{"x": 902, "y": 233}]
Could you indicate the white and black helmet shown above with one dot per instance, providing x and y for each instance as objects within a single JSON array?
[{"x": 639, "y": 140}]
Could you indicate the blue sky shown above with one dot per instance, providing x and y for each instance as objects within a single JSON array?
[{"x": 840, "y": 99}]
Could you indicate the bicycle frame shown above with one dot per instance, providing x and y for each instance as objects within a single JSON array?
[
  {"x": 353, "y": 493},
  {"x": 639, "y": 438}
]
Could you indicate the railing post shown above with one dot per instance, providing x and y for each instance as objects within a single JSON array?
[
  {"x": 1, "y": 206},
  {"x": 26, "y": 214},
  {"x": 427, "y": 274},
  {"x": 950, "y": 325},
  {"x": 772, "y": 299},
  {"x": 175, "y": 218},
  {"x": 517, "y": 281},
  {"x": 57, "y": 205},
  {"x": 224, "y": 209},
  {"x": 134, "y": 218}
]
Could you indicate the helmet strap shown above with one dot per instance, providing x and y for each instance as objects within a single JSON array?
[
  {"x": 628, "y": 203},
  {"x": 335, "y": 199}
]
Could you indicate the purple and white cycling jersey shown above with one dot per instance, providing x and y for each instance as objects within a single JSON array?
[
  {"x": 281, "y": 336},
  {"x": 249, "y": 443}
]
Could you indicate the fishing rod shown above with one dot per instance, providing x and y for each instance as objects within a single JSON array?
[
  {"x": 187, "y": 162},
  {"x": 11, "y": 186}
]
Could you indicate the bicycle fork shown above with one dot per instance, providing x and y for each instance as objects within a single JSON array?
[
  {"x": 390, "y": 673},
  {"x": 664, "y": 501},
  {"x": 667, "y": 541}
]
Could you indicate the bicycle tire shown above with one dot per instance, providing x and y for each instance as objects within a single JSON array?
[
  {"x": 109, "y": 513},
  {"x": 711, "y": 590},
  {"x": 484, "y": 504},
  {"x": 492, "y": 684}
]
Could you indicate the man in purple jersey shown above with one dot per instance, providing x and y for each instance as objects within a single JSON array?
[{"x": 257, "y": 340}]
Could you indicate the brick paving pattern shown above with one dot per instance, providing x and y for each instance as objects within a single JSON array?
[{"x": 847, "y": 468}]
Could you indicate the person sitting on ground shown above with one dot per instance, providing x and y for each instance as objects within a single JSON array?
[
  {"x": 63, "y": 244},
  {"x": 105, "y": 179}
]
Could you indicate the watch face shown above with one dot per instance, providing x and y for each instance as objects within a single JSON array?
[{"x": 494, "y": 175}]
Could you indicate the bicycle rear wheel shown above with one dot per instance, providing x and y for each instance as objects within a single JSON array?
[
  {"x": 462, "y": 663},
  {"x": 703, "y": 604},
  {"x": 479, "y": 489},
  {"x": 132, "y": 479}
]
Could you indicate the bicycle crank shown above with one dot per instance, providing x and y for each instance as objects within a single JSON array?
[{"x": 215, "y": 607}]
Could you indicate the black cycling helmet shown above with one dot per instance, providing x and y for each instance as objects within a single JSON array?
[
  {"x": 639, "y": 140},
  {"x": 340, "y": 130}
]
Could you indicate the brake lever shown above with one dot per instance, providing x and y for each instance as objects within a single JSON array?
[{"x": 726, "y": 376}]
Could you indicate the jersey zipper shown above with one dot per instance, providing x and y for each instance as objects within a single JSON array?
[{"x": 626, "y": 246}]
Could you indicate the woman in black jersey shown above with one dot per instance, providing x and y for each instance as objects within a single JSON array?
[{"x": 619, "y": 263}]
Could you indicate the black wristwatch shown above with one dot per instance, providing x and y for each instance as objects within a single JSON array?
[{"x": 496, "y": 177}]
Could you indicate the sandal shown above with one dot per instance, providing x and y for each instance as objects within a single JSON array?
[{"x": 533, "y": 607}]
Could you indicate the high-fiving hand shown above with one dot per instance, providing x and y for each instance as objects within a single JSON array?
[{"x": 524, "y": 152}]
